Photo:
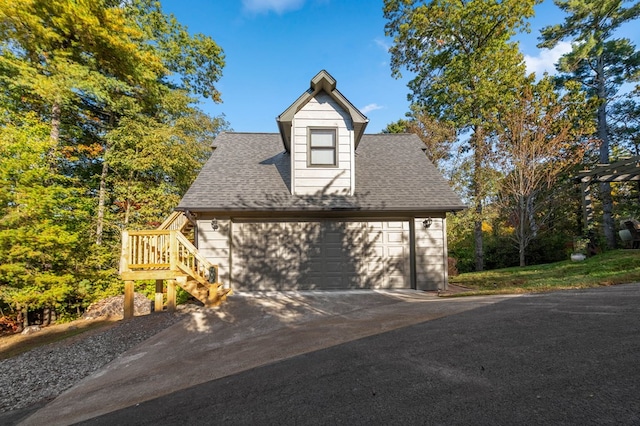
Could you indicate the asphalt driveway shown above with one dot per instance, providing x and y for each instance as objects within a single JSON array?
[{"x": 570, "y": 357}]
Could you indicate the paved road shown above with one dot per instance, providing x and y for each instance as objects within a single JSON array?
[{"x": 570, "y": 357}]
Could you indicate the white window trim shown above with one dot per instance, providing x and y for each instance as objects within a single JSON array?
[{"x": 334, "y": 148}]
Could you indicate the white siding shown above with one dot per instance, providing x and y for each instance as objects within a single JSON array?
[
  {"x": 322, "y": 112},
  {"x": 431, "y": 255},
  {"x": 214, "y": 245}
]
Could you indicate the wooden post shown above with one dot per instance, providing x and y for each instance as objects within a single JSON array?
[
  {"x": 171, "y": 295},
  {"x": 124, "y": 253},
  {"x": 173, "y": 251},
  {"x": 586, "y": 203},
  {"x": 159, "y": 296},
  {"x": 128, "y": 299}
]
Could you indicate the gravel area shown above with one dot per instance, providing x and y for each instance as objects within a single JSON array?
[{"x": 43, "y": 373}]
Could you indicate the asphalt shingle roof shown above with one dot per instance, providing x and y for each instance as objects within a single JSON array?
[{"x": 251, "y": 172}]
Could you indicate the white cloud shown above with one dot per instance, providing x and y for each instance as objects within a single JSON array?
[
  {"x": 384, "y": 44},
  {"x": 368, "y": 108},
  {"x": 546, "y": 59},
  {"x": 277, "y": 6}
]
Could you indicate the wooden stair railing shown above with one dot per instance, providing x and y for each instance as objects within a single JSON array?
[
  {"x": 179, "y": 221},
  {"x": 168, "y": 254}
]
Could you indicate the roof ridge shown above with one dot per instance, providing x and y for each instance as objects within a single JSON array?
[{"x": 250, "y": 133}]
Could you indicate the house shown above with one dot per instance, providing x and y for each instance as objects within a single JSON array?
[{"x": 320, "y": 204}]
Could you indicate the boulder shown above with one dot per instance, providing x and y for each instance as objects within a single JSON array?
[
  {"x": 31, "y": 329},
  {"x": 114, "y": 307}
]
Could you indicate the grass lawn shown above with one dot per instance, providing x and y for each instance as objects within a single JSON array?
[{"x": 609, "y": 268}]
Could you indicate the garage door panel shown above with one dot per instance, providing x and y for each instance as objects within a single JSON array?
[
  {"x": 396, "y": 225},
  {"x": 395, "y": 237},
  {"x": 333, "y": 253},
  {"x": 320, "y": 255},
  {"x": 396, "y": 251},
  {"x": 375, "y": 237}
]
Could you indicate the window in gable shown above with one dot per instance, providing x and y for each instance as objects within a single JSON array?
[{"x": 323, "y": 147}]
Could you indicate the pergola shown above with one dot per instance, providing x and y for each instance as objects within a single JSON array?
[{"x": 624, "y": 170}]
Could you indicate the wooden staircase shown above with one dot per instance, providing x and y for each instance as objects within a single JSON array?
[{"x": 166, "y": 254}]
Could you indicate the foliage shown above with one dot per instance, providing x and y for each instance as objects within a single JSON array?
[
  {"x": 465, "y": 67},
  {"x": 99, "y": 131},
  {"x": 438, "y": 137},
  {"x": 625, "y": 126},
  {"x": 43, "y": 222},
  {"x": 601, "y": 63},
  {"x": 541, "y": 137}
]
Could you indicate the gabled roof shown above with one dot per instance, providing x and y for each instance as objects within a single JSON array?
[
  {"x": 250, "y": 173},
  {"x": 323, "y": 81}
]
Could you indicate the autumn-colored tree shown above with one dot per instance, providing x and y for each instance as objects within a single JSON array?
[
  {"x": 465, "y": 66},
  {"x": 438, "y": 137},
  {"x": 541, "y": 136}
]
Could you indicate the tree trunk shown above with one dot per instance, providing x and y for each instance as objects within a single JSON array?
[
  {"x": 101, "y": 201},
  {"x": 522, "y": 229},
  {"x": 477, "y": 236},
  {"x": 46, "y": 316},
  {"x": 478, "y": 143},
  {"x": 127, "y": 210},
  {"x": 56, "y": 113},
  {"x": 22, "y": 318},
  {"x": 603, "y": 135}
]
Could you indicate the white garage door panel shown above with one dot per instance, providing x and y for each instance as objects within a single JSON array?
[
  {"x": 395, "y": 236},
  {"x": 320, "y": 255}
]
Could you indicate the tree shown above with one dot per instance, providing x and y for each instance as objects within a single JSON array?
[
  {"x": 541, "y": 138},
  {"x": 98, "y": 113},
  {"x": 464, "y": 64},
  {"x": 43, "y": 221},
  {"x": 625, "y": 125},
  {"x": 438, "y": 137},
  {"x": 601, "y": 63},
  {"x": 154, "y": 159}
]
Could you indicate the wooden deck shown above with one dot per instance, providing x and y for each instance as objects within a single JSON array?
[{"x": 165, "y": 254}]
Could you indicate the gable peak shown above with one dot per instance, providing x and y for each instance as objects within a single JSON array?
[{"x": 323, "y": 81}]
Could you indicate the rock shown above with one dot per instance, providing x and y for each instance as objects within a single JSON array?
[
  {"x": 114, "y": 307},
  {"x": 31, "y": 329}
]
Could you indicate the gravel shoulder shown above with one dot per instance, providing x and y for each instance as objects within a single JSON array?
[{"x": 33, "y": 378}]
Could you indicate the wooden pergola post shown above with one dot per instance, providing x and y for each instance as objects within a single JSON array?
[
  {"x": 623, "y": 170},
  {"x": 587, "y": 202}
]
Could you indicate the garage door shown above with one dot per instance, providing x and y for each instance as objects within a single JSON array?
[{"x": 320, "y": 255}]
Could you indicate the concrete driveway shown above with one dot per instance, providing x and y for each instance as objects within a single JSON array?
[{"x": 401, "y": 357}]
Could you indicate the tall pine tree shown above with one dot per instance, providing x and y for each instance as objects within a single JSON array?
[{"x": 601, "y": 63}]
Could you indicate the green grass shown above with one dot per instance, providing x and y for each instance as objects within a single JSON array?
[{"x": 610, "y": 268}]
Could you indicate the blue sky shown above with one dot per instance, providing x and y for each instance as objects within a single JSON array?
[{"x": 274, "y": 47}]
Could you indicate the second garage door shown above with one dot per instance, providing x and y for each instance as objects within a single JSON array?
[{"x": 320, "y": 255}]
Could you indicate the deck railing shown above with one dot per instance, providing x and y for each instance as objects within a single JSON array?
[
  {"x": 176, "y": 221},
  {"x": 164, "y": 250},
  {"x": 190, "y": 260}
]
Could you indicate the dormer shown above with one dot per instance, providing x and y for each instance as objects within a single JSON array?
[{"x": 321, "y": 131}]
